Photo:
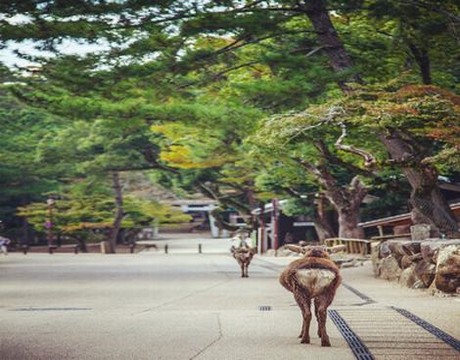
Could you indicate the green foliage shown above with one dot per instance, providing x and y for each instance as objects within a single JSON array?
[
  {"x": 299, "y": 207},
  {"x": 236, "y": 93},
  {"x": 391, "y": 192},
  {"x": 427, "y": 115},
  {"x": 426, "y": 31},
  {"x": 87, "y": 209},
  {"x": 23, "y": 176}
]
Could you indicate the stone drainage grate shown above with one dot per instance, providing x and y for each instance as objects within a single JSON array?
[
  {"x": 387, "y": 334},
  {"x": 431, "y": 328},
  {"x": 367, "y": 299},
  {"x": 356, "y": 345}
]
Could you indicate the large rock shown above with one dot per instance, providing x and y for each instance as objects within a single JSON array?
[
  {"x": 419, "y": 274},
  {"x": 383, "y": 250},
  {"x": 375, "y": 258},
  {"x": 389, "y": 269},
  {"x": 271, "y": 252},
  {"x": 404, "y": 251},
  {"x": 408, "y": 277},
  {"x": 384, "y": 263},
  {"x": 447, "y": 277},
  {"x": 420, "y": 231},
  {"x": 425, "y": 272},
  {"x": 430, "y": 248}
]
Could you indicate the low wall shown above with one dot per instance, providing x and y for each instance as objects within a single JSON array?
[{"x": 431, "y": 263}]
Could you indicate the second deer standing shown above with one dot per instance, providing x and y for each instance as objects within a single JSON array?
[{"x": 243, "y": 252}]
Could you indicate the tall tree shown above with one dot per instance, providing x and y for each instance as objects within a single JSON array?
[
  {"x": 425, "y": 195},
  {"x": 24, "y": 177},
  {"x": 292, "y": 43},
  {"x": 318, "y": 141},
  {"x": 406, "y": 120}
]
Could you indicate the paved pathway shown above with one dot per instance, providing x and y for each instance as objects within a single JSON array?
[{"x": 189, "y": 305}]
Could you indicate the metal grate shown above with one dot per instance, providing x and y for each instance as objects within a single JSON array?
[
  {"x": 356, "y": 345},
  {"x": 430, "y": 328},
  {"x": 265, "y": 308},
  {"x": 364, "y": 297}
]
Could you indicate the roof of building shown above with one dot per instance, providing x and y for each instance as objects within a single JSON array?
[{"x": 398, "y": 219}]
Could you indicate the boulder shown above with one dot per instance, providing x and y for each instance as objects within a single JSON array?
[
  {"x": 430, "y": 248},
  {"x": 408, "y": 277},
  {"x": 375, "y": 258},
  {"x": 404, "y": 251},
  {"x": 420, "y": 231},
  {"x": 425, "y": 272},
  {"x": 408, "y": 260},
  {"x": 282, "y": 252},
  {"x": 270, "y": 252},
  {"x": 389, "y": 269},
  {"x": 447, "y": 278},
  {"x": 383, "y": 250}
]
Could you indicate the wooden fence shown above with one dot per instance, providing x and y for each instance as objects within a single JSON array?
[{"x": 353, "y": 246}]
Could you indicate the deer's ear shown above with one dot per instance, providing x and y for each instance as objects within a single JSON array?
[
  {"x": 306, "y": 248},
  {"x": 294, "y": 248}
]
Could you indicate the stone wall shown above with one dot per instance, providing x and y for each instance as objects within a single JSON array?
[{"x": 430, "y": 263}]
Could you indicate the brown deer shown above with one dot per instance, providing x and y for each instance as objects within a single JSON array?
[
  {"x": 313, "y": 277},
  {"x": 243, "y": 252}
]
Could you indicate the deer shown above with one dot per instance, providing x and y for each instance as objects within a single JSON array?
[
  {"x": 243, "y": 252},
  {"x": 313, "y": 277}
]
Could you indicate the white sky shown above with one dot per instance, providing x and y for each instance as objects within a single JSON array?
[{"x": 10, "y": 59}]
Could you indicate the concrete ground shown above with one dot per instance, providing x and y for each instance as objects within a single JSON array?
[{"x": 187, "y": 304}]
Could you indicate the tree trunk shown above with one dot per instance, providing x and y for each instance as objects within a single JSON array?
[
  {"x": 118, "y": 213},
  {"x": 423, "y": 61},
  {"x": 25, "y": 239},
  {"x": 323, "y": 227},
  {"x": 330, "y": 41},
  {"x": 430, "y": 206},
  {"x": 348, "y": 224},
  {"x": 347, "y": 202}
]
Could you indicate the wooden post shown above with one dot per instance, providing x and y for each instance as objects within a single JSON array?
[{"x": 275, "y": 223}]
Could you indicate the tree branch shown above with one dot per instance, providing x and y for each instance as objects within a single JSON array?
[
  {"x": 369, "y": 159},
  {"x": 333, "y": 159}
]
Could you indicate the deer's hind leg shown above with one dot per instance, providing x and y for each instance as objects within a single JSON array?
[
  {"x": 304, "y": 304},
  {"x": 322, "y": 302},
  {"x": 241, "y": 264},
  {"x": 244, "y": 269}
]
